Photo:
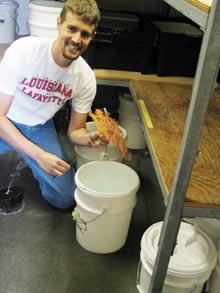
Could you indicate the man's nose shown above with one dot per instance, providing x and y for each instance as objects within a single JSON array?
[{"x": 76, "y": 37}]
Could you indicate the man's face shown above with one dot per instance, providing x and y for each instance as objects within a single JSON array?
[{"x": 74, "y": 36}]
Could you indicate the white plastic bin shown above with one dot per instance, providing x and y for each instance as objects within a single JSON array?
[
  {"x": 42, "y": 20},
  {"x": 129, "y": 120},
  {"x": 86, "y": 154},
  {"x": 190, "y": 265},
  {"x": 215, "y": 277},
  {"x": 105, "y": 198},
  {"x": 8, "y": 21}
]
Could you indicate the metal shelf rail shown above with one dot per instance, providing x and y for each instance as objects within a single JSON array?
[
  {"x": 205, "y": 78},
  {"x": 194, "y": 13}
]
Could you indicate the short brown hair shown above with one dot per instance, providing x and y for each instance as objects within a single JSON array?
[{"x": 88, "y": 9}]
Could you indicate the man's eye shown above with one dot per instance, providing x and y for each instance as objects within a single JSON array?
[
  {"x": 72, "y": 28},
  {"x": 85, "y": 35}
]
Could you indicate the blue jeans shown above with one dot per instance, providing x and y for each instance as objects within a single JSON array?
[{"x": 57, "y": 190}]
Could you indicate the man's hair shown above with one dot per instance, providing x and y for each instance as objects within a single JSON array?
[{"x": 87, "y": 9}]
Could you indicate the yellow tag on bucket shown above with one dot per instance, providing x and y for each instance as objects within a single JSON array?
[{"x": 74, "y": 215}]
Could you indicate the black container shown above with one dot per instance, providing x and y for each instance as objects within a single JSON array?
[
  {"x": 11, "y": 200},
  {"x": 120, "y": 44},
  {"x": 177, "y": 49},
  {"x": 123, "y": 53},
  {"x": 118, "y": 20}
]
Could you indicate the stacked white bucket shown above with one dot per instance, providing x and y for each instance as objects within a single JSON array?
[
  {"x": 42, "y": 20},
  {"x": 85, "y": 154},
  {"x": 129, "y": 120},
  {"x": 190, "y": 266},
  {"x": 8, "y": 20},
  {"x": 211, "y": 227},
  {"x": 105, "y": 197},
  {"x": 214, "y": 284}
]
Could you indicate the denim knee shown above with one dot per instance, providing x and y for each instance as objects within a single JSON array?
[{"x": 59, "y": 190}]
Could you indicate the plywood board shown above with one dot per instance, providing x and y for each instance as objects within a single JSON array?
[{"x": 167, "y": 106}]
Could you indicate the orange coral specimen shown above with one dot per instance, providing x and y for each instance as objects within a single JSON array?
[{"x": 109, "y": 128}]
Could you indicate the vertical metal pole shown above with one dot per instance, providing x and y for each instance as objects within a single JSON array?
[{"x": 203, "y": 87}]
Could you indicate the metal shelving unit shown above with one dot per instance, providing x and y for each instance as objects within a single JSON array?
[
  {"x": 194, "y": 13},
  {"x": 205, "y": 79}
]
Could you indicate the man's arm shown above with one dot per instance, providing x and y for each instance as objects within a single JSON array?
[{"x": 9, "y": 133}]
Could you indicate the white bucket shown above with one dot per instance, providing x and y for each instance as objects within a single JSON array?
[
  {"x": 190, "y": 265},
  {"x": 211, "y": 227},
  {"x": 42, "y": 20},
  {"x": 214, "y": 284},
  {"x": 215, "y": 277},
  {"x": 8, "y": 20},
  {"x": 105, "y": 197},
  {"x": 129, "y": 120},
  {"x": 86, "y": 154}
]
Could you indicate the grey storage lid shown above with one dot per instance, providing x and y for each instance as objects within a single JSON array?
[
  {"x": 120, "y": 20},
  {"x": 178, "y": 28}
]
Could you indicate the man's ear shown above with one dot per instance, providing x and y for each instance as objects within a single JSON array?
[
  {"x": 93, "y": 35},
  {"x": 58, "y": 22}
]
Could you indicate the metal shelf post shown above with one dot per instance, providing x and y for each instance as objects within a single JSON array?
[{"x": 205, "y": 78}]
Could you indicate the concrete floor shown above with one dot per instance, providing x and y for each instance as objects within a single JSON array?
[{"x": 38, "y": 247}]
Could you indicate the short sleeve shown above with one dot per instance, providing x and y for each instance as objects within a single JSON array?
[
  {"x": 12, "y": 67},
  {"x": 82, "y": 101}
]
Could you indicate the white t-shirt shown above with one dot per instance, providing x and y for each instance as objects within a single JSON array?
[{"x": 39, "y": 86}]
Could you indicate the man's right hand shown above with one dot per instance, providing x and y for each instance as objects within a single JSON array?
[{"x": 52, "y": 164}]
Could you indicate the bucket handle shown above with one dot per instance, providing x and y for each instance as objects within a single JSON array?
[
  {"x": 138, "y": 273},
  {"x": 81, "y": 223}
]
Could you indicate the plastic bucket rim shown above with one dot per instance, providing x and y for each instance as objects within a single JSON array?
[
  {"x": 86, "y": 155},
  {"x": 89, "y": 209},
  {"x": 43, "y": 8},
  {"x": 99, "y": 194},
  {"x": 19, "y": 192},
  {"x": 104, "y": 195},
  {"x": 125, "y": 100},
  {"x": 83, "y": 151},
  {"x": 177, "y": 270},
  {"x": 12, "y": 5}
]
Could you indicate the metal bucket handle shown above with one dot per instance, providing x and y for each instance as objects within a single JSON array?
[{"x": 81, "y": 223}]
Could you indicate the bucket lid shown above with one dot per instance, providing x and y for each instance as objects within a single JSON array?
[
  {"x": 107, "y": 179},
  {"x": 9, "y": 3},
  {"x": 194, "y": 253},
  {"x": 46, "y": 5}
]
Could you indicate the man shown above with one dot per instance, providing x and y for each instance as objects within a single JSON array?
[{"x": 37, "y": 76}]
